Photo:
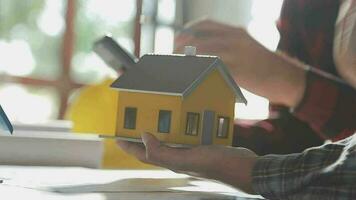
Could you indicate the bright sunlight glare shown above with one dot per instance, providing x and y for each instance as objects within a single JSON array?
[
  {"x": 25, "y": 107},
  {"x": 263, "y": 28},
  {"x": 111, "y": 11},
  {"x": 51, "y": 20},
  {"x": 16, "y": 58}
]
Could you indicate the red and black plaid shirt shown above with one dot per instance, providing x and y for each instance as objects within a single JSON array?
[
  {"x": 307, "y": 33},
  {"x": 328, "y": 109},
  {"x": 328, "y": 106}
]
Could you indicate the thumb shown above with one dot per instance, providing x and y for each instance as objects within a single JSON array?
[
  {"x": 164, "y": 156},
  {"x": 152, "y": 145},
  {"x": 150, "y": 140}
]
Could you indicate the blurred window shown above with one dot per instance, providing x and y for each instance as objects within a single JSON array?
[
  {"x": 30, "y": 37},
  {"x": 263, "y": 28},
  {"x": 46, "y": 50},
  {"x": 33, "y": 104},
  {"x": 158, "y": 26},
  {"x": 95, "y": 18},
  {"x": 263, "y": 24},
  {"x": 31, "y": 33}
]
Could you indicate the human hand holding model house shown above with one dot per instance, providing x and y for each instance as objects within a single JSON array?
[
  {"x": 251, "y": 65},
  {"x": 229, "y": 165},
  {"x": 292, "y": 176},
  {"x": 180, "y": 78}
]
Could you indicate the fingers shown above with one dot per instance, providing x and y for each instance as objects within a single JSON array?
[
  {"x": 210, "y": 37},
  {"x": 207, "y": 29},
  {"x": 153, "y": 152},
  {"x": 208, "y": 25},
  {"x": 152, "y": 147},
  {"x": 163, "y": 155},
  {"x": 230, "y": 165},
  {"x": 175, "y": 159},
  {"x": 135, "y": 149},
  {"x": 197, "y": 30},
  {"x": 195, "y": 161}
]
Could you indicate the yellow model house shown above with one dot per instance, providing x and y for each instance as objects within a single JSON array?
[{"x": 181, "y": 99}]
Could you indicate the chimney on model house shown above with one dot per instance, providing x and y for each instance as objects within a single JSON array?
[{"x": 190, "y": 50}]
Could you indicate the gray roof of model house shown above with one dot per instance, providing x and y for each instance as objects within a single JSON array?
[{"x": 173, "y": 75}]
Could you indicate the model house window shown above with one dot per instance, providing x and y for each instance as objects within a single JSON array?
[
  {"x": 192, "y": 124},
  {"x": 223, "y": 127},
  {"x": 164, "y": 121},
  {"x": 130, "y": 118}
]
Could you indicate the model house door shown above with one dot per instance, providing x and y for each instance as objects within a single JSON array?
[{"x": 208, "y": 127}]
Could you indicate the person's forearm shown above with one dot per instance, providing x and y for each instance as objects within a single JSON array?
[
  {"x": 242, "y": 181},
  {"x": 234, "y": 167},
  {"x": 272, "y": 75},
  {"x": 255, "y": 68}
]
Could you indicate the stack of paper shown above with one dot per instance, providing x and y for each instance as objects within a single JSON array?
[
  {"x": 51, "y": 149},
  {"x": 48, "y": 126}
]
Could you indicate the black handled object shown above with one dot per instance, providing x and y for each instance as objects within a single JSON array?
[{"x": 113, "y": 54}]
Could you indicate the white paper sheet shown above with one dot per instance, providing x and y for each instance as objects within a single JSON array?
[
  {"x": 70, "y": 180},
  {"x": 51, "y": 149}
]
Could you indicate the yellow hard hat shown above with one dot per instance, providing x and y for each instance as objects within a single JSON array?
[{"x": 94, "y": 110}]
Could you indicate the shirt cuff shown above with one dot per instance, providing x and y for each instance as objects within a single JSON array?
[
  {"x": 319, "y": 100},
  {"x": 268, "y": 177}
]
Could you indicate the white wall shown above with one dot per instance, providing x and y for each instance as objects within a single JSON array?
[{"x": 234, "y": 12}]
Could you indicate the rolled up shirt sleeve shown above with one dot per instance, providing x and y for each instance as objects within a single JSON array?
[
  {"x": 328, "y": 105},
  {"x": 307, "y": 32},
  {"x": 325, "y": 172}
]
